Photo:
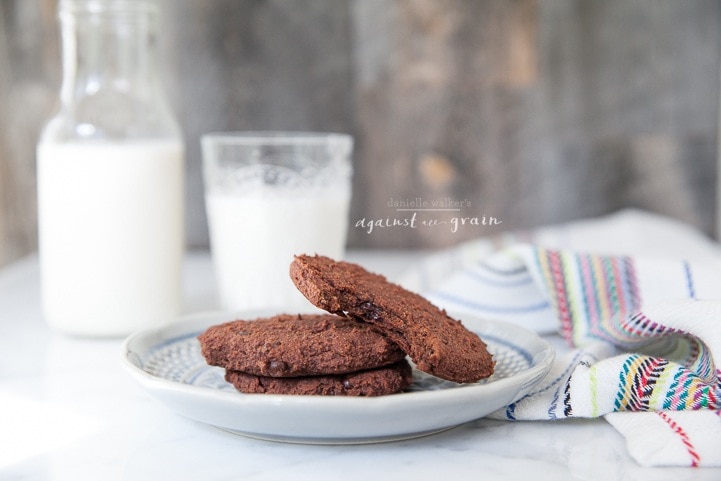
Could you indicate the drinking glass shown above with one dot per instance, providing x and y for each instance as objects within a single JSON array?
[{"x": 270, "y": 196}]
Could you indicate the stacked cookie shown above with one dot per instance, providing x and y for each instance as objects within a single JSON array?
[
  {"x": 359, "y": 349},
  {"x": 306, "y": 354}
]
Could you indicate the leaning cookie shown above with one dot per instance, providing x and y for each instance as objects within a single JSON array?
[
  {"x": 297, "y": 345},
  {"x": 374, "y": 382},
  {"x": 438, "y": 344}
]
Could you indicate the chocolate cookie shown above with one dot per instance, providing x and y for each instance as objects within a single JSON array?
[
  {"x": 438, "y": 344},
  {"x": 297, "y": 345},
  {"x": 374, "y": 382}
]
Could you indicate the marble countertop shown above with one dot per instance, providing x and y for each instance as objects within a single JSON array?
[{"x": 69, "y": 411}]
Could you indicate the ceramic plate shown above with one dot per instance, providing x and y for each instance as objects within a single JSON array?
[{"x": 167, "y": 362}]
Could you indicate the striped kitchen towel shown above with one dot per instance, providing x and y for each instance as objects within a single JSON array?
[{"x": 642, "y": 325}]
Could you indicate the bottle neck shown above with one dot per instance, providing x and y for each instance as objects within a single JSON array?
[
  {"x": 107, "y": 51},
  {"x": 111, "y": 89}
]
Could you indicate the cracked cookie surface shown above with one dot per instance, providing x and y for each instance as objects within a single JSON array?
[
  {"x": 297, "y": 345},
  {"x": 372, "y": 382},
  {"x": 435, "y": 342}
]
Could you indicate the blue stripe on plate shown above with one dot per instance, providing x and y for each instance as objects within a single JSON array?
[{"x": 504, "y": 342}]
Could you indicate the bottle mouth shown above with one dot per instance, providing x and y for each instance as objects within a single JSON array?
[{"x": 110, "y": 7}]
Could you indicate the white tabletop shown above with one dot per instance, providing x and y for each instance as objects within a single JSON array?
[{"x": 69, "y": 411}]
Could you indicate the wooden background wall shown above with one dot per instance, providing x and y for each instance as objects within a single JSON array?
[{"x": 532, "y": 111}]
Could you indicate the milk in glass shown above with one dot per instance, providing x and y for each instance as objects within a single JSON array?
[{"x": 254, "y": 237}]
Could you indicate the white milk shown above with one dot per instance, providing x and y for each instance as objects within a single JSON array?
[
  {"x": 111, "y": 235},
  {"x": 255, "y": 235}
]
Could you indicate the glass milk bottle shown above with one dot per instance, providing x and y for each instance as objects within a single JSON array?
[{"x": 110, "y": 177}]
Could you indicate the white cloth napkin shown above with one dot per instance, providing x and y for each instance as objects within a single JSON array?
[{"x": 636, "y": 297}]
